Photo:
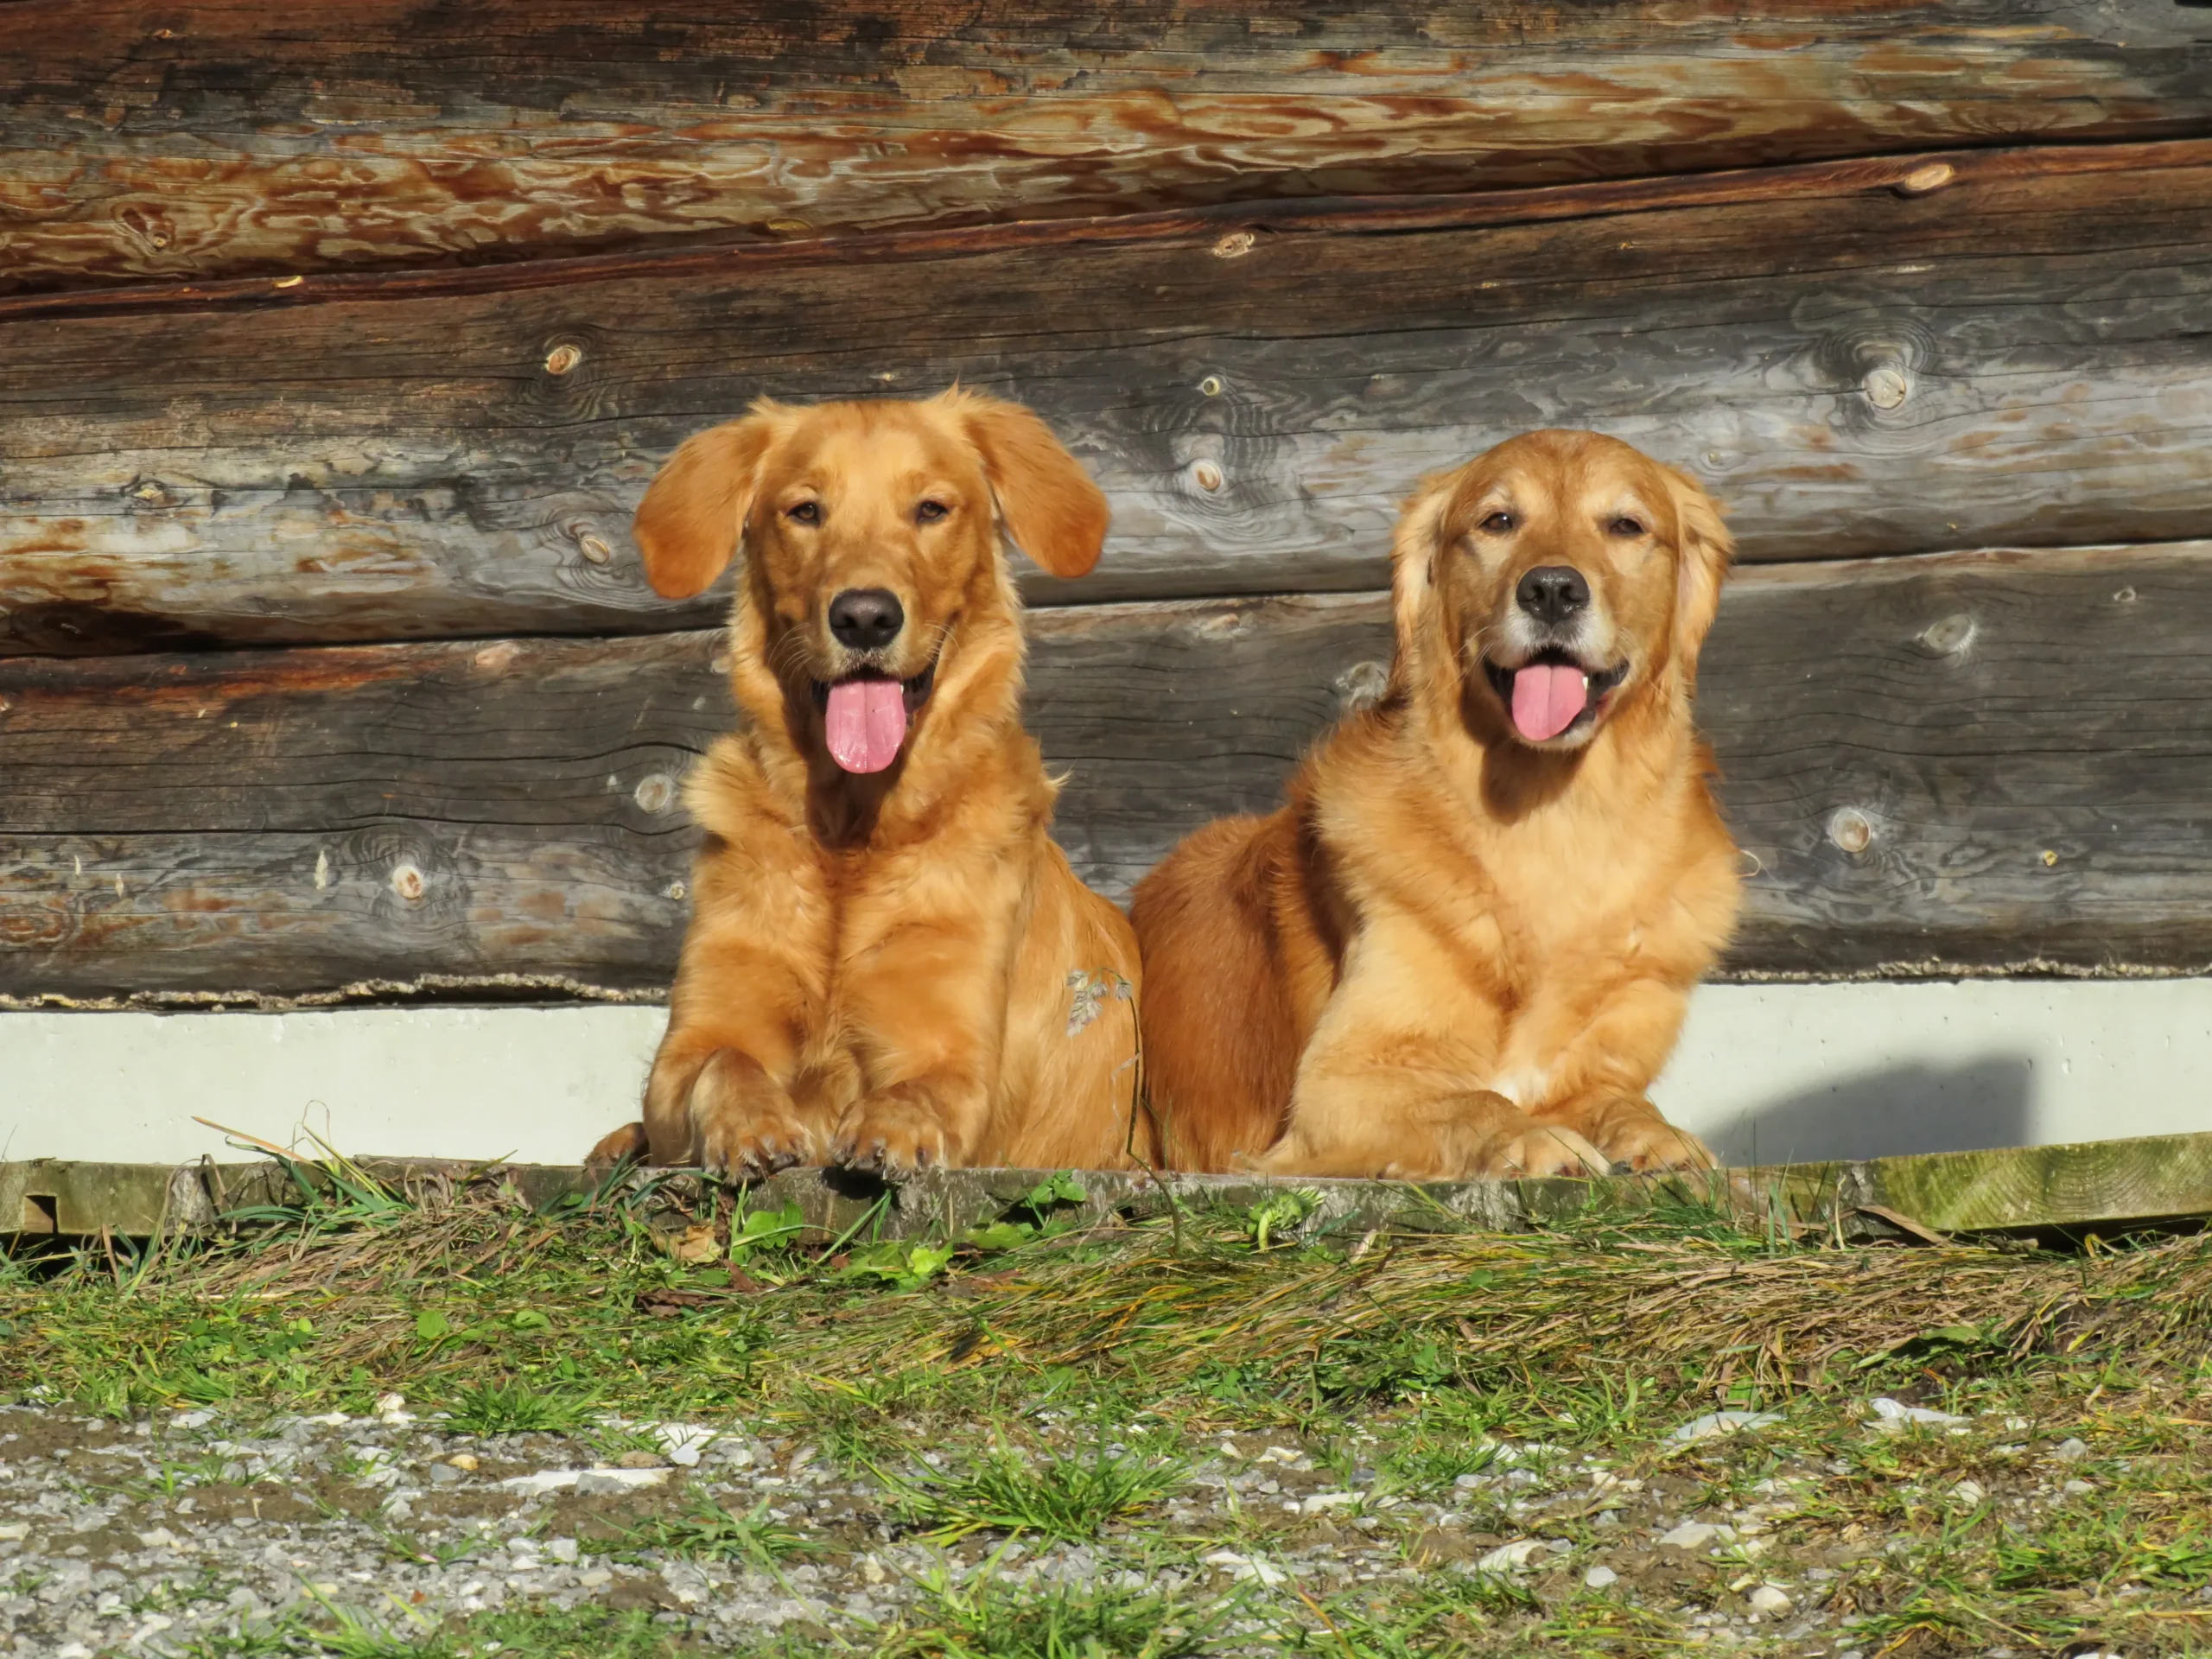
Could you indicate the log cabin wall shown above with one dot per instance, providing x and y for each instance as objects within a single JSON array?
[{"x": 337, "y": 345}]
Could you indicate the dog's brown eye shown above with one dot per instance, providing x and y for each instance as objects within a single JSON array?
[
  {"x": 806, "y": 512},
  {"x": 929, "y": 512},
  {"x": 1625, "y": 526},
  {"x": 1498, "y": 523}
]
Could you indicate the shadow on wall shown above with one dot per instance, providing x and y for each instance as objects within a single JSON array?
[{"x": 1886, "y": 1114}]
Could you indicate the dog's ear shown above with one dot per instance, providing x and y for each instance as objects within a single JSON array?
[
  {"x": 1702, "y": 561},
  {"x": 1415, "y": 546},
  {"x": 694, "y": 513},
  {"x": 1052, "y": 510}
]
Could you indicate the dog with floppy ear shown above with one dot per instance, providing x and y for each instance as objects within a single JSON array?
[
  {"x": 1465, "y": 946},
  {"x": 890, "y": 964}
]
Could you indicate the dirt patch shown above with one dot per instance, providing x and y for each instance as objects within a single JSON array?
[{"x": 26, "y": 1434}]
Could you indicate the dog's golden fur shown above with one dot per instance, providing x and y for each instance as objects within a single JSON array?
[
  {"x": 881, "y": 969},
  {"x": 1459, "y": 951}
]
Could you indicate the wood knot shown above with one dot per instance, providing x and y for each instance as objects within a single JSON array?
[
  {"x": 2125, "y": 596},
  {"x": 1211, "y": 385},
  {"x": 1887, "y": 387},
  {"x": 1362, "y": 685},
  {"x": 790, "y": 227},
  {"x": 1934, "y": 175},
  {"x": 493, "y": 659},
  {"x": 656, "y": 792},
  {"x": 1207, "y": 475},
  {"x": 407, "y": 882},
  {"x": 1235, "y": 245},
  {"x": 591, "y": 543},
  {"x": 1951, "y": 636},
  {"x": 563, "y": 359},
  {"x": 1851, "y": 830}
]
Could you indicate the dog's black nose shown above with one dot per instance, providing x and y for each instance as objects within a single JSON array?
[
  {"x": 868, "y": 618},
  {"x": 1553, "y": 592}
]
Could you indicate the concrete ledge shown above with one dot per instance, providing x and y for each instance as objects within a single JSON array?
[{"x": 1768, "y": 1074}]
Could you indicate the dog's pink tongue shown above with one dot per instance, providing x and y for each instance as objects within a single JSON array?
[
  {"x": 1546, "y": 699},
  {"x": 866, "y": 723}
]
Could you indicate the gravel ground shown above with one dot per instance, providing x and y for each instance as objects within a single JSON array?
[{"x": 140, "y": 1537}]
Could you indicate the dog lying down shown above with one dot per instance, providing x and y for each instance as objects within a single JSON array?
[
  {"x": 1464, "y": 946},
  {"x": 890, "y": 965}
]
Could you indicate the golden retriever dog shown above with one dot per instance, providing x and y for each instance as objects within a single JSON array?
[
  {"x": 890, "y": 965},
  {"x": 1464, "y": 946}
]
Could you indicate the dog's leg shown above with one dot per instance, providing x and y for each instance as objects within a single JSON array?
[
  {"x": 721, "y": 1110},
  {"x": 926, "y": 1006},
  {"x": 1390, "y": 1134},
  {"x": 910, "y": 1126},
  {"x": 628, "y": 1142},
  {"x": 742, "y": 1120},
  {"x": 1598, "y": 1084},
  {"x": 1631, "y": 1132}
]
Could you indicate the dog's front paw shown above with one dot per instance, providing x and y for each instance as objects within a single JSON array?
[
  {"x": 1647, "y": 1142},
  {"x": 748, "y": 1143},
  {"x": 1543, "y": 1150},
  {"x": 627, "y": 1144},
  {"x": 891, "y": 1137}
]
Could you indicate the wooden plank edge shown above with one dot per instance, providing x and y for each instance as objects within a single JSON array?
[
  {"x": 1907, "y": 174},
  {"x": 561, "y": 990},
  {"x": 2103, "y": 1183}
]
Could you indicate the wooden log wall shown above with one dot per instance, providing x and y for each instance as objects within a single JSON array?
[{"x": 337, "y": 347}]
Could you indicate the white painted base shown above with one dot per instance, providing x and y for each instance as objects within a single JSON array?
[{"x": 1766, "y": 1074}]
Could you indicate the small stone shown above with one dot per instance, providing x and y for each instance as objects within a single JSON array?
[
  {"x": 1723, "y": 1423},
  {"x": 1969, "y": 1491},
  {"x": 159, "y": 1538},
  {"x": 1506, "y": 1557},
  {"x": 686, "y": 1443},
  {"x": 1244, "y": 1567},
  {"x": 1321, "y": 1500},
  {"x": 640, "y": 1460},
  {"x": 1769, "y": 1602},
  {"x": 1695, "y": 1534},
  {"x": 2076, "y": 1488},
  {"x": 1599, "y": 1577},
  {"x": 1889, "y": 1414},
  {"x": 392, "y": 1403},
  {"x": 464, "y": 1460},
  {"x": 14, "y": 1532},
  {"x": 592, "y": 1579},
  {"x": 2071, "y": 1450},
  {"x": 561, "y": 1549},
  {"x": 444, "y": 1474}
]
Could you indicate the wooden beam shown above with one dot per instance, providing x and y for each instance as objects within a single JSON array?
[
  {"x": 2018, "y": 356},
  {"x": 2106, "y": 1184},
  {"x": 195, "y": 140},
  {"x": 1974, "y": 763}
]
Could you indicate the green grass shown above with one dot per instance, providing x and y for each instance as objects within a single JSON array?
[
  {"x": 506, "y": 1408},
  {"x": 709, "y": 1531},
  {"x": 1052, "y": 1494},
  {"x": 1026, "y": 1353}
]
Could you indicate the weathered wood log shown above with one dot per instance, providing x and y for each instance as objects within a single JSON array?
[
  {"x": 2018, "y": 356},
  {"x": 196, "y": 140},
  {"x": 2155, "y": 1178},
  {"x": 1969, "y": 763}
]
